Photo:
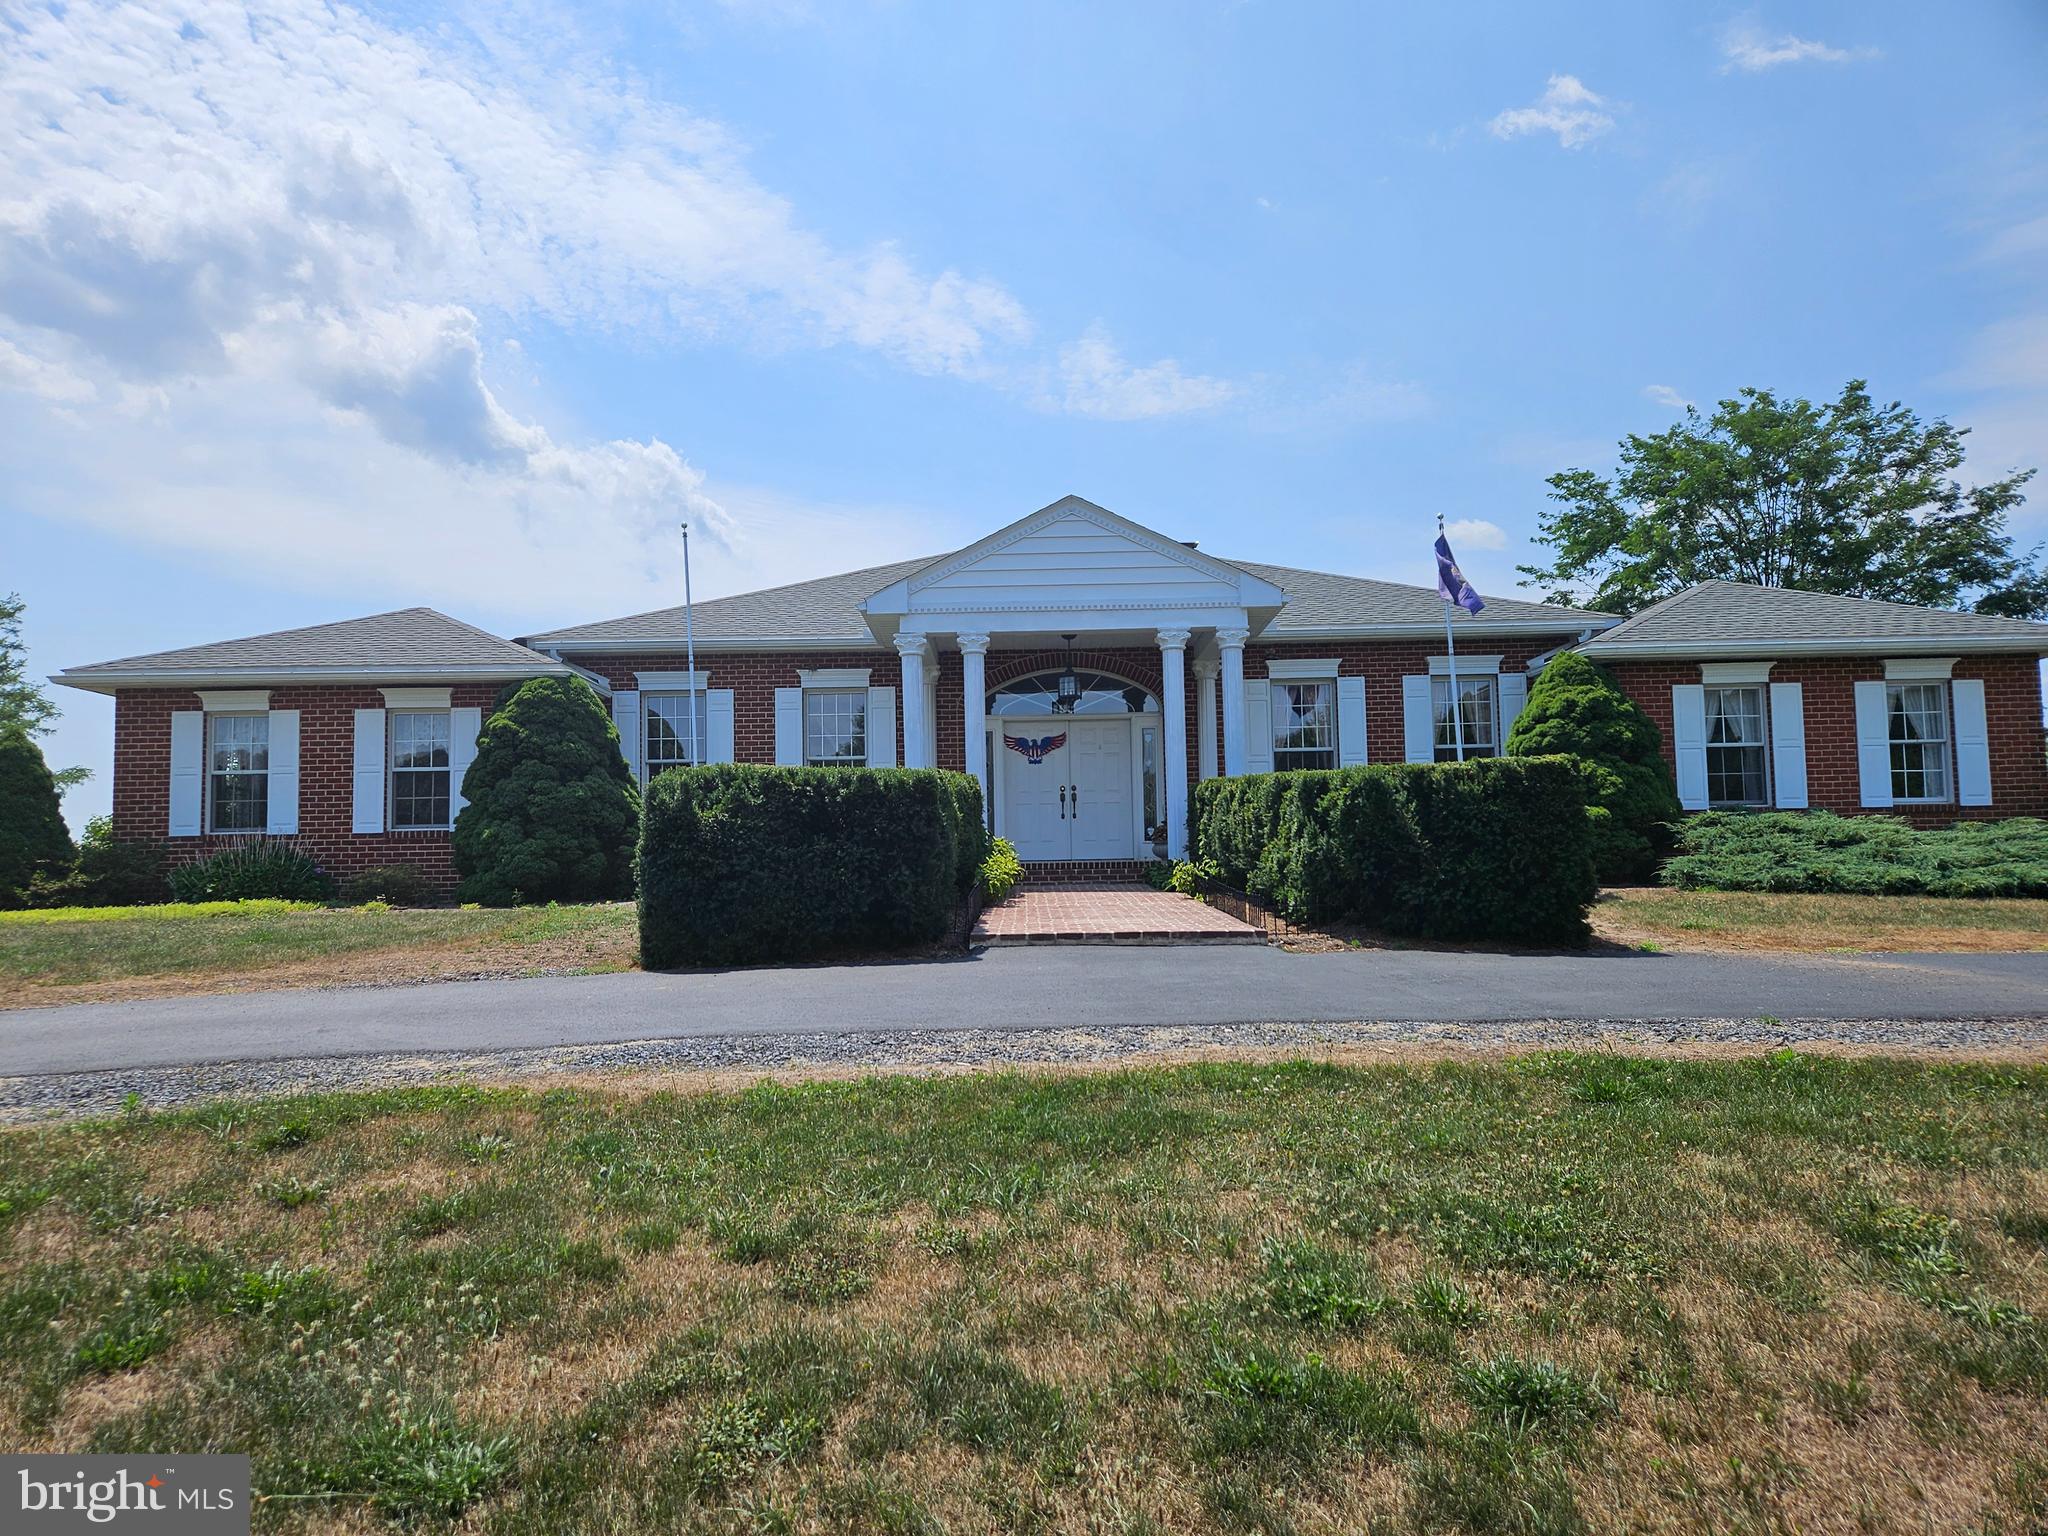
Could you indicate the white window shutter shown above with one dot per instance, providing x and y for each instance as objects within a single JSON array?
[
  {"x": 1973, "y": 741},
  {"x": 188, "y": 771},
  {"x": 626, "y": 716},
  {"x": 1418, "y": 720},
  {"x": 1258, "y": 725},
  {"x": 368, "y": 813},
  {"x": 1873, "y": 744},
  {"x": 464, "y": 726},
  {"x": 881, "y": 727},
  {"x": 789, "y": 727},
  {"x": 1512, "y": 690},
  {"x": 284, "y": 773},
  {"x": 718, "y": 734},
  {"x": 1350, "y": 722},
  {"x": 1788, "y": 745},
  {"x": 1689, "y": 743}
]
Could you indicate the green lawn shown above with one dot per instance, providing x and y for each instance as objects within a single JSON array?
[
  {"x": 1787, "y": 921},
  {"x": 1551, "y": 1294},
  {"x": 42, "y": 950}
]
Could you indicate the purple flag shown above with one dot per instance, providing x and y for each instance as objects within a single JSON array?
[{"x": 1451, "y": 584}]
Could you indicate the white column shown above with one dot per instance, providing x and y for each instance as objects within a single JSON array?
[
  {"x": 1231, "y": 643},
  {"x": 974, "y": 705},
  {"x": 1205, "y": 718},
  {"x": 912, "y": 649},
  {"x": 1173, "y": 646}
]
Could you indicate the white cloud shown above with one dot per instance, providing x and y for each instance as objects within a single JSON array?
[
  {"x": 1095, "y": 380},
  {"x": 1566, "y": 108},
  {"x": 1746, "y": 47},
  {"x": 2013, "y": 354},
  {"x": 46, "y": 380},
  {"x": 1665, "y": 395},
  {"x": 2029, "y": 238},
  {"x": 1476, "y": 533}
]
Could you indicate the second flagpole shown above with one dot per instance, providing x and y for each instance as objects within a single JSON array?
[{"x": 1451, "y": 653}]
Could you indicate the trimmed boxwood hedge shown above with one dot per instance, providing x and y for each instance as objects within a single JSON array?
[
  {"x": 1498, "y": 848},
  {"x": 741, "y": 864}
]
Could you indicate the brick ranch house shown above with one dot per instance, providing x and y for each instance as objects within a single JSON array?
[{"x": 1107, "y": 666}]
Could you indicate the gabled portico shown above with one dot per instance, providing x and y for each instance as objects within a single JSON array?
[{"x": 1074, "y": 569}]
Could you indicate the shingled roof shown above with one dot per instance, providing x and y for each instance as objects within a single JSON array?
[
  {"x": 1723, "y": 618},
  {"x": 412, "y": 644},
  {"x": 828, "y": 612}
]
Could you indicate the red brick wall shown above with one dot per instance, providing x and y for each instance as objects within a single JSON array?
[
  {"x": 753, "y": 678},
  {"x": 1383, "y": 664},
  {"x": 327, "y": 723},
  {"x": 2012, "y": 704}
]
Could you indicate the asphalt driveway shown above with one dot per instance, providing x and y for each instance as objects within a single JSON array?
[{"x": 1021, "y": 989}]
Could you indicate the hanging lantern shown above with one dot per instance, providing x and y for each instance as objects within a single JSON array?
[{"x": 1069, "y": 695}]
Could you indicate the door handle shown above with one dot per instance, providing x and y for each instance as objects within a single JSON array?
[
  {"x": 1077, "y": 797},
  {"x": 1063, "y": 802}
]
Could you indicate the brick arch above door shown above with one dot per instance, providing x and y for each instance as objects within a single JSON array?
[{"x": 1131, "y": 665}]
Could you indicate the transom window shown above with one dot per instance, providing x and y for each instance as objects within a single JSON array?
[
  {"x": 671, "y": 740},
  {"x": 1918, "y": 713},
  {"x": 836, "y": 727},
  {"x": 419, "y": 770},
  {"x": 238, "y": 773},
  {"x": 1477, "y": 716},
  {"x": 1097, "y": 694},
  {"x": 1737, "y": 772},
  {"x": 1304, "y": 725}
]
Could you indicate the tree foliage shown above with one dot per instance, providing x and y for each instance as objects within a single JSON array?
[
  {"x": 1849, "y": 497},
  {"x": 553, "y": 811},
  {"x": 33, "y": 838},
  {"x": 1576, "y": 709},
  {"x": 23, "y": 703}
]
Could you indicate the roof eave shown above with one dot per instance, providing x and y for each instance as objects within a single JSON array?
[
  {"x": 674, "y": 645},
  {"x": 286, "y": 677},
  {"x": 1564, "y": 623},
  {"x": 1919, "y": 645}
]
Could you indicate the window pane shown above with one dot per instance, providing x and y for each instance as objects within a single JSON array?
[
  {"x": 1475, "y": 717},
  {"x": 669, "y": 731},
  {"x": 1918, "y": 719},
  {"x": 238, "y": 764},
  {"x": 1737, "y": 769},
  {"x": 835, "y": 727},
  {"x": 419, "y": 740},
  {"x": 419, "y": 798},
  {"x": 1304, "y": 725}
]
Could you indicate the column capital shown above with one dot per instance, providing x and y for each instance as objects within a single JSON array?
[
  {"x": 912, "y": 645},
  {"x": 971, "y": 645},
  {"x": 1205, "y": 666},
  {"x": 1174, "y": 639},
  {"x": 1233, "y": 638}
]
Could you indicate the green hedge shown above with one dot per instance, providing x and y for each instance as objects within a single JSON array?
[
  {"x": 1858, "y": 855},
  {"x": 740, "y": 864},
  {"x": 1493, "y": 849}
]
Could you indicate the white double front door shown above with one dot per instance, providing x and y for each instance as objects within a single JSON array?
[{"x": 1067, "y": 787}]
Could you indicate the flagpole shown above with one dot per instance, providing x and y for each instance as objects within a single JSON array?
[
  {"x": 1451, "y": 647},
  {"x": 690, "y": 647}
]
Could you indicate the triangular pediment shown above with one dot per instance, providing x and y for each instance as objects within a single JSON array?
[{"x": 1074, "y": 555}]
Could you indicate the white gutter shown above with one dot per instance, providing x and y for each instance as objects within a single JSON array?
[
  {"x": 1917, "y": 645},
  {"x": 285, "y": 677}
]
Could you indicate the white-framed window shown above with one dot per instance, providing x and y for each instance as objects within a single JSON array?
[
  {"x": 1738, "y": 770},
  {"x": 1478, "y": 715},
  {"x": 1918, "y": 727},
  {"x": 238, "y": 773},
  {"x": 670, "y": 741},
  {"x": 1304, "y": 725},
  {"x": 420, "y": 771},
  {"x": 836, "y": 727}
]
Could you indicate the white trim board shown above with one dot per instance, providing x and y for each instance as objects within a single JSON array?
[
  {"x": 1467, "y": 666},
  {"x": 235, "y": 701},
  {"x": 1312, "y": 668},
  {"x": 1920, "y": 669},
  {"x": 417, "y": 698},
  {"x": 1736, "y": 672},
  {"x": 833, "y": 677},
  {"x": 672, "y": 682}
]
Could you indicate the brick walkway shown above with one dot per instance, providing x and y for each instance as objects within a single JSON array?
[{"x": 1107, "y": 914}]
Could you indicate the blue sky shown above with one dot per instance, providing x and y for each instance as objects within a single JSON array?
[{"x": 308, "y": 311}]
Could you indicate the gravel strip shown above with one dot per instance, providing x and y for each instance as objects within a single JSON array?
[{"x": 29, "y": 1099}]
